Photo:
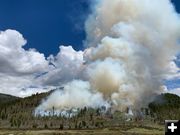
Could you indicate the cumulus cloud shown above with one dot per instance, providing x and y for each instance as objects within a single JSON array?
[
  {"x": 173, "y": 91},
  {"x": 68, "y": 65},
  {"x": 18, "y": 65},
  {"x": 30, "y": 90},
  {"x": 172, "y": 77},
  {"x": 174, "y": 70},
  {"x": 17, "y": 61},
  {"x": 24, "y": 72}
]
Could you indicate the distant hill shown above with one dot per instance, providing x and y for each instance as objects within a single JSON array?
[
  {"x": 13, "y": 100},
  {"x": 166, "y": 106},
  {"x": 35, "y": 99},
  {"x": 4, "y": 98},
  {"x": 18, "y": 112}
]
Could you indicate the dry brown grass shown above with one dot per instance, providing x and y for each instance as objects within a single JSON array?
[{"x": 117, "y": 131}]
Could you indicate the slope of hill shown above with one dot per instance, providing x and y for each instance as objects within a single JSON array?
[
  {"x": 165, "y": 107},
  {"x": 4, "y": 98},
  {"x": 18, "y": 112}
]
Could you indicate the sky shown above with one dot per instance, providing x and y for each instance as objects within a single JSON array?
[{"x": 45, "y": 25}]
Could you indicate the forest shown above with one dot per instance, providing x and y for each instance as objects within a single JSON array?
[{"x": 18, "y": 113}]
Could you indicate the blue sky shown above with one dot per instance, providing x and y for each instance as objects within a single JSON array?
[
  {"x": 46, "y": 24},
  {"x": 177, "y": 4}
]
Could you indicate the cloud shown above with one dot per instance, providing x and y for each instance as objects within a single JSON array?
[
  {"x": 15, "y": 60},
  {"x": 18, "y": 66},
  {"x": 33, "y": 90},
  {"x": 174, "y": 70},
  {"x": 68, "y": 65},
  {"x": 173, "y": 91},
  {"x": 21, "y": 69}
]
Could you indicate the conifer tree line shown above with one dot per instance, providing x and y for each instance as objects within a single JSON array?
[{"x": 19, "y": 114}]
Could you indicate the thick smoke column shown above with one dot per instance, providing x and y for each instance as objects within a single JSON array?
[
  {"x": 75, "y": 94},
  {"x": 130, "y": 44}
]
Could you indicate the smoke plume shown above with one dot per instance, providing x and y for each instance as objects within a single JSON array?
[{"x": 130, "y": 44}]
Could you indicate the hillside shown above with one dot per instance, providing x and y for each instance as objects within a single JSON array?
[
  {"x": 4, "y": 98},
  {"x": 15, "y": 113},
  {"x": 166, "y": 106},
  {"x": 18, "y": 113}
]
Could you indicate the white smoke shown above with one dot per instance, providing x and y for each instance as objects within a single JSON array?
[
  {"x": 130, "y": 45},
  {"x": 76, "y": 94}
]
